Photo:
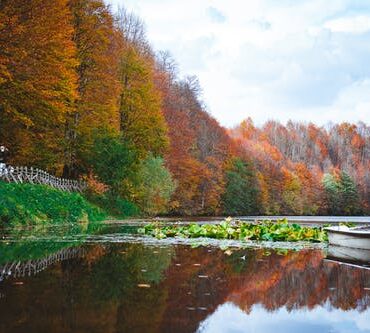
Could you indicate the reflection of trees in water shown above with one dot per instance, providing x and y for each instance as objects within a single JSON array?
[
  {"x": 96, "y": 293},
  {"x": 126, "y": 267},
  {"x": 295, "y": 280},
  {"x": 115, "y": 271},
  {"x": 100, "y": 293},
  {"x": 40, "y": 242},
  {"x": 196, "y": 283},
  {"x": 300, "y": 279},
  {"x": 116, "y": 276}
]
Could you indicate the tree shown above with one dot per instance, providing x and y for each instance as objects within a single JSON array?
[
  {"x": 332, "y": 193},
  {"x": 141, "y": 119},
  {"x": 99, "y": 45},
  {"x": 37, "y": 80},
  {"x": 241, "y": 192},
  {"x": 291, "y": 193},
  {"x": 291, "y": 160},
  {"x": 199, "y": 146},
  {"x": 156, "y": 186},
  {"x": 341, "y": 194},
  {"x": 113, "y": 161},
  {"x": 350, "y": 203}
]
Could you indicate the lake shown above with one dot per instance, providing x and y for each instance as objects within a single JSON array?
[{"x": 105, "y": 278}]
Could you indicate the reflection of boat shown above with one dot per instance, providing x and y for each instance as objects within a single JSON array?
[
  {"x": 357, "y": 238},
  {"x": 350, "y": 245},
  {"x": 348, "y": 254}
]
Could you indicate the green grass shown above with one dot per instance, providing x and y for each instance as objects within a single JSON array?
[
  {"x": 262, "y": 231},
  {"x": 27, "y": 204}
]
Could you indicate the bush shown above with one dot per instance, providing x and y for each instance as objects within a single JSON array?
[{"x": 115, "y": 205}]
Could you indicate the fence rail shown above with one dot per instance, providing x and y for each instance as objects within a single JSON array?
[
  {"x": 31, "y": 175},
  {"x": 18, "y": 269}
]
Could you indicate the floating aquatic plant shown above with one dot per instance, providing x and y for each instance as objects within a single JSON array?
[{"x": 265, "y": 230}]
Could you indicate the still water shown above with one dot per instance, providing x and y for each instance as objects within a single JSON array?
[{"x": 107, "y": 279}]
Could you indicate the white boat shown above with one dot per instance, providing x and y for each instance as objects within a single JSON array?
[
  {"x": 357, "y": 238},
  {"x": 348, "y": 255}
]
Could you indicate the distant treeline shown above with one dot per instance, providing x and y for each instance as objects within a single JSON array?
[
  {"x": 83, "y": 94},
  {"x": 306, "y": 169}
]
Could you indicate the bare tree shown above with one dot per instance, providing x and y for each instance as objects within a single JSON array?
[
  {"x": 133, "y": 30},
  {"x": 167, "y": 63}
]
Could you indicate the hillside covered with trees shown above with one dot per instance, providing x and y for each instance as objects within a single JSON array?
[
  {"x": 306, "y": 169},
  {"x": 83, "y": 95}
]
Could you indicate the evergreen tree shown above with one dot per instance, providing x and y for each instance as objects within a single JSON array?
[
  {"x": 342, "y": 196},
  {"x": 332, "y": 190},
  {"x": 240, "y": 197},
  {"x": 350, "y": 203}
]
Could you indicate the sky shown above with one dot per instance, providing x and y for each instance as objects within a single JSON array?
[
  {"x": 304, "y": 60},
  {"x": 228, "y": 318}
]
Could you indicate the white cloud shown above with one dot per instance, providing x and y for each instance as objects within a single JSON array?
[
  {"x": 229, "y": 318},
  {"x": 301, "y": 59},
  {"x": 357, "y": 24}
]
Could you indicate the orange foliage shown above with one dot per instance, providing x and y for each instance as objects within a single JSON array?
[
  {"x": 292, "y": 160},
  {"x": 95, "y": 186},
  {"x": 37, "y": 80}
]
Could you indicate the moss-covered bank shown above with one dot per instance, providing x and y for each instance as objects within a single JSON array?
[{"x": 28, "y": 204}]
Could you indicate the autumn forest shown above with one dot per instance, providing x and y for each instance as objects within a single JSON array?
[{"x": 84, "y": 95}]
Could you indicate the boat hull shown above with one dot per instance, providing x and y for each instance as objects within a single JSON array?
[
  {"x": 353, "y": 241},
  {"x": 348, "y": 254}
]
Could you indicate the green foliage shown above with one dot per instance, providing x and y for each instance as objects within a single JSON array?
[
  {"x": 262, "y": 231},
  {"x": 116, "y": 205},
  {"x": 341, "y": 194},
  {"x": 111, "y": 159},
  {"x": 156, "y": 186},
  {"x": 43, "y": 240},
  {"x": 332, "y": 191},
  {"x": 31, "y": 204},
  {"x": 98, "y": 47},
  {"x": 124, "y": 270},
  {"x": 115, "y": 163},
  {"x": 240, "y": 197},
  {"x": 349, "y": 195},
  {"x": 28, "y": 250},
  {"x": 142, "y": 122}
]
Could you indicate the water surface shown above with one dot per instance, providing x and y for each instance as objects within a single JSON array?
[{"x": 106, "y": 279}]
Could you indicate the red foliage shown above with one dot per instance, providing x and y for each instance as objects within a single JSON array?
[{"x": 292, "y": 159}]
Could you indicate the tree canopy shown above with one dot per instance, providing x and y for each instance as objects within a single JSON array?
[{"x": 84, "y": 95}]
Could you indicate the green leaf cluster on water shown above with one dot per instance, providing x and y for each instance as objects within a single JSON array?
[
  {"x": 28, "y": 204},
  {"x": 260, "y": 231}
]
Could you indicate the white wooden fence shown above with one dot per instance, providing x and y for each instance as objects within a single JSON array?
[
  {"x": 36, "y": 176},
  {"x": 19, "y": 269}
]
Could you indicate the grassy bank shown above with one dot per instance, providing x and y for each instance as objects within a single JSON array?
[{"x": 27, "y": 204}]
